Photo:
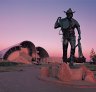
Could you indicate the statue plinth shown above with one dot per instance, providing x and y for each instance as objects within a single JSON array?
[{"x": 78, "y": 60}]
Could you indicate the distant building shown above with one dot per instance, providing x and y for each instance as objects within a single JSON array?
[
  {"x": 23, "y": 52},
  {"x": 43, "y": 54}
]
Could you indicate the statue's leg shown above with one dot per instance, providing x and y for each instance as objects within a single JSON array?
[
  {"x": 65, "y": 46},
  {"x": 72, "y": 43}
]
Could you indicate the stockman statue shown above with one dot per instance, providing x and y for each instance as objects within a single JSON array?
[{"x": 68, "y": 25}]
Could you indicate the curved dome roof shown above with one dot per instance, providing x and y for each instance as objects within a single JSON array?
[
  {"x": 42, "y": 52},
  {"x": 25, "y": 44},
  {"x": 29, "y": 45},
  {"x": 11, "y": 50}
]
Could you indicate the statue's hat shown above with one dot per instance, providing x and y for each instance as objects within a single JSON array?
[{"x": 69, "y": 11}]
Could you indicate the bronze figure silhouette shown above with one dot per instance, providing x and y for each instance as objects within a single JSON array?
[{"x": 68, "y": 25}]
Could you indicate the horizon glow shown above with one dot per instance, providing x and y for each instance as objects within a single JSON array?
[{"x": 34, "y": 20}]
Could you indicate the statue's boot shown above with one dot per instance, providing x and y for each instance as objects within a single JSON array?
[
  {"x": 71, "y": 63},
  {"x": 72, "y": 57},
  {"x": 65, "y": 57},
  {"x": 65, "y": 54}
]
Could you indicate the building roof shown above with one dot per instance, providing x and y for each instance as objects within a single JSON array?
[
  {"x": 25, "y": 44},
  {"x": 42, "y": 52}
]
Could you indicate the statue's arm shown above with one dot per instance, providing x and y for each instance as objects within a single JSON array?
[
  {"x": 79, "y": 32},
  {"x": 78, "y": 29},
  {"x": 57, "y": 24}
]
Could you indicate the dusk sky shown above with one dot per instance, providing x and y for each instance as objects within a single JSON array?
[{"x": 34, "y": 20}]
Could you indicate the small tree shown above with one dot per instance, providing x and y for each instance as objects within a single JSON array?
[{"x": 93, "y": 55}]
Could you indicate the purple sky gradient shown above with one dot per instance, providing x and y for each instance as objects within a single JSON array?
[{"x": 34, "y": 20}]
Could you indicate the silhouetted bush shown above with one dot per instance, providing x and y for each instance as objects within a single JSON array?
[
  {"x": 8, "y": 63},
  {"x": 93, "y": 57}
]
